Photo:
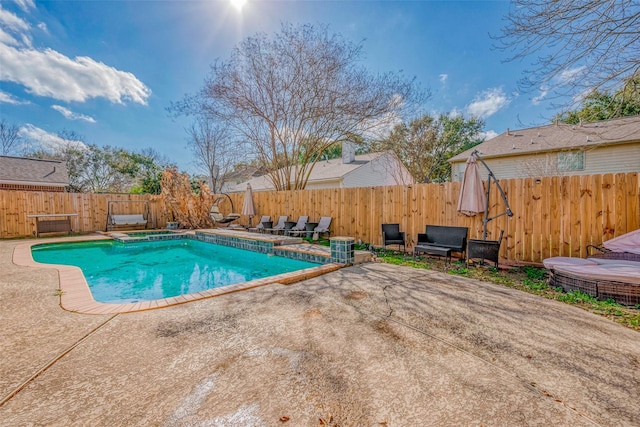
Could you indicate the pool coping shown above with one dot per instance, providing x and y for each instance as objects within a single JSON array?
[{"x": 75, "y": 295}]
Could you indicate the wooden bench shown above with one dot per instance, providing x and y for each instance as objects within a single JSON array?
[
  {"x": 45, "y": 223},
  {"x": 442, "y": 240}
]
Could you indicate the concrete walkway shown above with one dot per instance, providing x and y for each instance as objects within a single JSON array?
[{"x": 368, "y": 345}]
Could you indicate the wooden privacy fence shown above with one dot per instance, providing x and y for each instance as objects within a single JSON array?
[
  {"x": 553, "y": 216},
  {"x": 91, "y": 210}
]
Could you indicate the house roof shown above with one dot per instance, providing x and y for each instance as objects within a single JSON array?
[
  {"x": 327, "y": 170},
  {"x": 24, "y": 171},
  {"x": 557, "y": 137},
  {"x": 244, "y": 173}
]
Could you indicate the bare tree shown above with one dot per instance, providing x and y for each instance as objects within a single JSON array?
[
  {"x": 215, "y": 152},
  {"x": 425, "y": 144},
  {"x": 292, "y": 96},
  {"x": 582, "y": 46},
  {"x": 10, "y": 139}
]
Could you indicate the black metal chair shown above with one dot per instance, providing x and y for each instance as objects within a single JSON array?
[{"x": 391, "y": 235}]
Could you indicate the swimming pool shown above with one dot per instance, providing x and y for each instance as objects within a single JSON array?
[{"x": 143, "y": 271}]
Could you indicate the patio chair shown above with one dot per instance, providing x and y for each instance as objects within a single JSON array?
[
  {"x": 299, "y": 227},
  {"x": 391, "y": 235},
  {"x": 279, "y": 225},
  {"x": 218, "y": 218},
  {"x": 260, "y": 226},
  {"x": 323, "y": 226}
]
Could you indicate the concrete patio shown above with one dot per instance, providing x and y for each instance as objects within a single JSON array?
[{"x": 368, "y": 345}]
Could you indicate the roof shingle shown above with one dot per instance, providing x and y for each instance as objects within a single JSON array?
[
  {"x": 21, "y": 170},
  {"x": 558, "y": 137}
]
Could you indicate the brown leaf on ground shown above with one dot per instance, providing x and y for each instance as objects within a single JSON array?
[{"x": 284, "y": 418}]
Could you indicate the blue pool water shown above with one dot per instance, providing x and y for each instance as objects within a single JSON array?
[{"x": 119, "y": 273}]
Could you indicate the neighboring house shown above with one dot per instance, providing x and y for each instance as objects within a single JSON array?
[
  {"x": 610, "y": 146},
  {"x": 20, "y": 173},
  {"x": 240, "y": 175},
  {"x": 366, "y": 170}
]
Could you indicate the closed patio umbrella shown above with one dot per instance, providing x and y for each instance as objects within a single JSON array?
[
  {"x": 247, "y": 207},
  {"x": 472, "y": 199}
]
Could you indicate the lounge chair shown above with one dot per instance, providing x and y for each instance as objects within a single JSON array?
[
  {"x": 391, "y": 235},
  {"x": 260, "y": 226},
  {"x": 603, "y": 278},
  {"x": 624, "y": 247},
  {"x": 299, "y": 227},
  {"x": 217, "y": 217},
  {"x": 322, "y": 227},
  {"x": 279, "y": 225}
]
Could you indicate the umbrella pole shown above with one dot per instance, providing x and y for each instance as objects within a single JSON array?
[
  {"x": 508, "y": 212},
  {"x": 485, "y": 221}
]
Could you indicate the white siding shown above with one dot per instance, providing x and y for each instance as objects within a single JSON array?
[
  {"x": 620, "y": 158},
  {"x": 336, "y": 183}
]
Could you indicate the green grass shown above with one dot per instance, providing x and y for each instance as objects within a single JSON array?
[
  {"x": 527, "y": 279},
  {"x": 320, "y": 241}
]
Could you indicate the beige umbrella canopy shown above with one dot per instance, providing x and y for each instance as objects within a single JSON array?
[
  {"x": 247, "y": 207},
  {"x": 472, "y": 199}
]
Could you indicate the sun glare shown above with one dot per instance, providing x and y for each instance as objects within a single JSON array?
[{"x": 238, "y": 4}]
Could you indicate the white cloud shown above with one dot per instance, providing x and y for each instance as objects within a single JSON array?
[
  {"x": 381, "y": 127},
  {"x": 13, "y": 28},
  {"x": 51, "y": 74},
  {"x": 46, "y": 72},
  {"x": 569, "y": 75},
  {"x": 47, "y": 140},
  {"x": 43, "y": 27},
  {"x": 7, "y": 98},
  {"x": 566, "y": 77},
  {"x": 488, "y": 134},
  {"x": 25, "y": 4},
  {"x": 443, "y": 78},
  {"x": 12, "y": 22},
  {"x": 455, "y": 113},
  {"x": 544, "y": 91},
  {"x": 8, "y": 39},
  {"x": 487, "y": 103},
  {"x": 71, "y": 115}
]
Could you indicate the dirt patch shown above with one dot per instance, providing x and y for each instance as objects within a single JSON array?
[
  {"x": 312, "y": 313},
  {"x": 356, "y": 295},
  {"x": 171, "y": 329}
]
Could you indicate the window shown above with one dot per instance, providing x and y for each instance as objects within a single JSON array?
[{"x": 571, "y": 161}]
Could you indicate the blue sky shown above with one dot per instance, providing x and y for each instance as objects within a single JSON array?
[{"x": 109, "y": 69}]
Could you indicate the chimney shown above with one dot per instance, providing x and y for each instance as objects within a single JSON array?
[
  {"x": 508, "y": 133},
  {"x": 348, "y": 152}
]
